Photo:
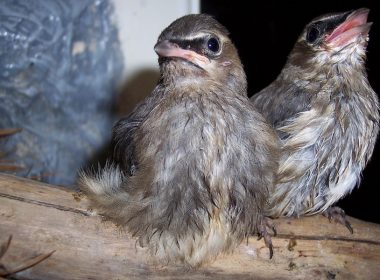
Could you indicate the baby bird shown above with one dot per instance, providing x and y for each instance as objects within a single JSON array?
[
  {"x": 326, "y": 114},
  {"x": 193, "y": 163}
]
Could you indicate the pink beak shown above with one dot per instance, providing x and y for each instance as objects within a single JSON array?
[
  {"x": 168, "y": 49},
  {"x": 354, "y": 26}
]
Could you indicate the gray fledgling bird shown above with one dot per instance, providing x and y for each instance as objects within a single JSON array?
[
  {"x": 193, "y": 163},
  {"x": 326, "y": 114}
]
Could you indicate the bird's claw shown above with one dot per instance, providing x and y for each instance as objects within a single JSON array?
[
  {"x": 265, "y": 224},
  {"x": 338, "y": 215}
]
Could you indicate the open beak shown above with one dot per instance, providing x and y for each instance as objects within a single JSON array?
[
  {"x": 168, "y": 49},
  {"x": 354, "y": 26}
]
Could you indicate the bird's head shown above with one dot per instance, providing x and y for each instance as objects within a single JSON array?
[
  {"x": 195, "y": 49},
  {"x": 333, "y": 38}
]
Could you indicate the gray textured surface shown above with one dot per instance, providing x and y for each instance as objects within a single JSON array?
[{"x": 59, "y": 65}]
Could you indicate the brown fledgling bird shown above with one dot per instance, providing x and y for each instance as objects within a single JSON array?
[
  {"x": 193, "y": 163},
  {"x": 326, "y": 114}
]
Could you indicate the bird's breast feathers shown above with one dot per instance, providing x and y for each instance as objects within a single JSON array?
[{"x": 325, "y": 150}]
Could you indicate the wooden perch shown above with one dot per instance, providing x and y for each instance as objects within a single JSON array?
[
  {"x": 4, "y": 164},
  {"x": 9, "y": 131},
  {"x": 43, "y": 218}
]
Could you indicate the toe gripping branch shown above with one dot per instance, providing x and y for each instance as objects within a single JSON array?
[
  {"x": 338, "y": 215},
  {"x": 263, "y": 228}
]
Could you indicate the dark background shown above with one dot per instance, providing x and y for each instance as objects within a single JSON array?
[{"x": 264, "y": 33}]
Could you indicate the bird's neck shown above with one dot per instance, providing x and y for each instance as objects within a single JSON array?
[
  {"x": 194, "y": 87},
  {"x": 347, "y": 74}
]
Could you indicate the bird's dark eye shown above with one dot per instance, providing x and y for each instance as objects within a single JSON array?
[
  {"x": 313, "y": 34},
  {"x": 213, "y": 45}
]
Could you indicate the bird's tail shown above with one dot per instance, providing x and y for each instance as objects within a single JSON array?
[{"x": 104, "y": 189}]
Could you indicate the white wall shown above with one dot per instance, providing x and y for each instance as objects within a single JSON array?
[{"x": 140, "y": 22}]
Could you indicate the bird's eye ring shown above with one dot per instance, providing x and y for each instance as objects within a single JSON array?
[
  {"x": 213, "y": 45},
  {"x": 313, "y": 34}
]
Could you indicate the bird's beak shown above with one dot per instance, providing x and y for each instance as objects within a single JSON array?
[
  {"x": 168, "y": 49},
  {"x": 354, "y": 26}
]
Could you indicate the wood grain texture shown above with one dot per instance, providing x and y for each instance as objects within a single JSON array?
[{"x": 43, "y": 218}]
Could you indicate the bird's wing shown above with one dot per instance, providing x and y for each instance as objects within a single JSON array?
[
  {"x": 281, "y": 102},
  {"x": 123, "y": 135}
]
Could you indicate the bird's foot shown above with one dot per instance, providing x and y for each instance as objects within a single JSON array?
[
  {"x": 338, "y": 215},
  {"x": 264, "y": 226}
]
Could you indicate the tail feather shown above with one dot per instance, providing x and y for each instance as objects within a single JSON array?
[
  {"x": 105, "y": 191},
  {"x": 106, "y": 181}
]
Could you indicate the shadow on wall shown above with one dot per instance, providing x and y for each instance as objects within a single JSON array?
[
  {"x": 131, "y": 93},
  {"x": 135, "y": 89}
]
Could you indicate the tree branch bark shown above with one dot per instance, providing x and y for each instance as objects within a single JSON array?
[{"x": 43, "y": 218}]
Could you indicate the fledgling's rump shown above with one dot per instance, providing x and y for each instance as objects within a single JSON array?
[
  {"x": 193, "y": 164},
  {"x": 326, "y": 114}
]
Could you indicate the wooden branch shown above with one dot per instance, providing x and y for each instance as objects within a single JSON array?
[
  {"x": 44, "y": 218},
  {"x": 9, "y": 131},
  {"x": 5, "y": 165}
]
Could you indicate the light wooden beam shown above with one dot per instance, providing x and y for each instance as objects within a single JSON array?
[{"x": 43, "y": 218}]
